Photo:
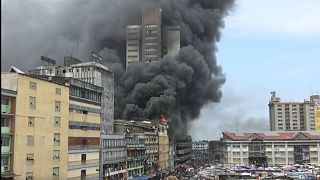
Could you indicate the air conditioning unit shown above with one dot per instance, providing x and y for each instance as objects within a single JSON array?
[
  {"x": 29, "y": 177},
  {"x": 55, "y": 173},
  {"x": 5, "y": 168},
  {"x": 30, "y": 159},
  {"x": 56, "y": 156},
  {"x": 56, "y": 139}
]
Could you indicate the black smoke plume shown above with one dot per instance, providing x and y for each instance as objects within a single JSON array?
[{"x": 175, "y": 86}]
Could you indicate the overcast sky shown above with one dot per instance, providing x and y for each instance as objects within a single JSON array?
[{"x": 266, "y": 45}]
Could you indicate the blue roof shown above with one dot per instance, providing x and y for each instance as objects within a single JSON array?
[{"x": 143, "y": 177}]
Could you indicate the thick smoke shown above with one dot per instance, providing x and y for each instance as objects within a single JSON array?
[{"x": 175, "y": 86}]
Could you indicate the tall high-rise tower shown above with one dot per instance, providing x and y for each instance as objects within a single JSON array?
[
  {"x": 291, "y": 116},
  {"x": 151, "y": 35},
  {"x": 133, "y": 44}
]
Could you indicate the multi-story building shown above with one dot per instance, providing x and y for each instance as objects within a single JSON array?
[
  {"x": 171, "y": 44},
  {"x": 217, "y": 151},
  {"x": 156, "y": 143},
  {"x": 316, "y": 99},
  {"x": 147, "y": 43},
  {"x": 272, "y": 148},
  {"x": 180, "y": 149},
  {"x": 151, "y": 35},
  {"x": 8, "y": 101},
  {"x": 93, "y": 74},
  {"x": 200, "y": 145},
  {"x": 136, "y": 154},
  {"x": 39, "y": 127},
  {"x": 200, "y": 151},
  {"x": 291, "y": 116},
  {"x": 152, "y": 152},
  {"x": 163, "y": 146},
  {"x": 317, "y": 123},
  {"x": 115, "y": 157},
  {"x": 83, "y": 127},
  {"x": 133, "y": 44}
]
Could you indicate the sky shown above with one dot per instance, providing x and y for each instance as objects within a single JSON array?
[{"x": 266, "y": 45}]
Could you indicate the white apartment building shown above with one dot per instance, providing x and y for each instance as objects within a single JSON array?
[
  {"x": 291, "y": 116},
  {"x": 272, "y": 148},
  {"x": 200, "y": 145}
]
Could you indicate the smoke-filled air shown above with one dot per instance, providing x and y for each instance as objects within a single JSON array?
[{"x": 178, "y": 87}]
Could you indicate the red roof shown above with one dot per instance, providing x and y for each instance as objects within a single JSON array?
[{"x": 272, "y": 135}]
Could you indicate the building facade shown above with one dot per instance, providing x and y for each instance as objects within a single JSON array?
[
  {"x": 136, "y": 154},
  {"x": 200, "y": 145},
  {"x": 155, "y": 145},
  {"x": 163, "y": 146},
  {"x": 151, "y": 35},
  {"x": 152, "y": 152},
  {"x": 217, "y": 151},
  {"x": 147, "y": 42},
  {"x": 133, "y": 49},
  {"x": 317, "y": 124},
  {"x": 316, "y": 99},
  {"x": 171, "y": 44},
  {"x": 291, "y": 116},
  {"x": 8, "y": 103},
  {"x": 40, "y": 145},
  {"x": 93, "y": 74},
  {"x": 272, "y": 148},
  {"x": 115, "y": 157},
  {"x": 84, "y": 130},
  {"x": 180, "y": 150}
]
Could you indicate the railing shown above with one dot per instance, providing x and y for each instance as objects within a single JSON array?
[
  {"x": 137, "y": 157},
  {"x": 80, "y": 147}
]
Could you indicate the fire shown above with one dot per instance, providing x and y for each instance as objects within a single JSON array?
[{"x": 162, "y": 118}]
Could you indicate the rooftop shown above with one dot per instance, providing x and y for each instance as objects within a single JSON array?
[{"x": 273, "y": 135}]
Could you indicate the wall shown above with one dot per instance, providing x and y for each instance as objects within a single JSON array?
[{"x": 43, "y": 129}]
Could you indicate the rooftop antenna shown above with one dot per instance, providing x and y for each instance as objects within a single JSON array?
[
  {"x": 310, "y": 89},
  {"x": 237, "y": 125}
]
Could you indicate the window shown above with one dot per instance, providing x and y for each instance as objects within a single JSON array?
[
  {"x": 58, "y": 106},
  {"x": 4, "y": 163},
  {"x": 29, "y": 175},
  {"x": 83, "y": 158},
  {"x": 5, "y": 122},
  {"x": 30, "y": 158},
  {"x": 55, "y": 171},
  {"x": 30, "y": 121},
  {"x": 56, "y": 155},
  {"x": 57, "y": 121},
  {"x": 4, "y": 101},
  {"x": 33, "y": 85},
  {"x": 30, "y": 140},
  {"x": 56, "y": 139},
  {"x": 32, "y": 102},
  {"x": 58, "y": 91},
  {"x": 5, "y": 140}
]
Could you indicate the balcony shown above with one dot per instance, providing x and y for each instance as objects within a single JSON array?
[
  {"x": 5, "y": 130},
  {"x": 5, "y": 109},
  {"x": 83, "y": 147},
  {"x": 137, "y": 158},
  {"x": 5, "y": 149}
]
